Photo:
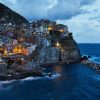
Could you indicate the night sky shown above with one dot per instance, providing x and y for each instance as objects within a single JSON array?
[{"x": 81, "y": 16}]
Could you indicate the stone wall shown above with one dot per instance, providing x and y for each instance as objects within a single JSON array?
[{"x": 54, "y": 54}]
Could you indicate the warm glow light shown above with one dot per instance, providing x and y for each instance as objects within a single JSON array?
[
  {"x": 10, "y": 53},
  {"x": 19, "y": 50},
  {"x": 61, "y": 31},
  {"x": 57, "y": 44},
  {"x": 5, "y": 53},
  {"x": 49, "y": 28}
]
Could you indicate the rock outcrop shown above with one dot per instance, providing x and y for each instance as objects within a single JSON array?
[{"x": 67, "y": 51}]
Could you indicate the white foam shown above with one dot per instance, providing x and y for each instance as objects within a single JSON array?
[
  {"x": 56, "y": 75},
  {"x": 39, "y": 78},
  {"x": 31, "y": 78},
  {"x": 94, "y": 58},
  {"x": 7, "y": 82}
]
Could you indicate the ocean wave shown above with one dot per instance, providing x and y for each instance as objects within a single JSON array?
[
  {"x": 95, "y": 59},
  {"x": 2, "y": 83},
  {"x": 97, "y": 77},
  {"x": 39, "y": 78},
  {"x": 56, "y": 75},
  {"x": 7, "y": 82}
]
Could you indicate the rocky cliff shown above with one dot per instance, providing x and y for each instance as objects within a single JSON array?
[
  {"x": 8, "y": 15},
  {"x": 66, "y": 51}
]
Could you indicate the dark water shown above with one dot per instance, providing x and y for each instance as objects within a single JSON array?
[
  {"x": 76, "y": 82},
  {"x": 90, "y": 49}
]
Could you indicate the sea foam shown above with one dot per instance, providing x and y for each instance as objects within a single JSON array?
[
  {"x": 56, "y": 75},
  {"x": 95, "y": 59}
]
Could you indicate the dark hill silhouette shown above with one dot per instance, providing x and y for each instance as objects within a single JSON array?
[{"x": 10, "y": 15}]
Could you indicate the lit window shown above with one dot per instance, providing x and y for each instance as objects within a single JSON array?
[
  {"x": 49, "y": 28},
  {"x": 61, "y": 30}
]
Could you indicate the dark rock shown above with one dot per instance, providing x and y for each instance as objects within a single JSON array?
[{"x": 21, "y": 75}]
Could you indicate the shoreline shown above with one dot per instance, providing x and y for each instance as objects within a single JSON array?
[
  {"x": 91, "y": 64},
  {"x": 16, "y": 75},
  {"x": 22, "y": 74},
  {"x": 12, "y": 74}
]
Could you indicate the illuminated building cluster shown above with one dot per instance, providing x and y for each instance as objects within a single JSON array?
[{"x": 19, "y": 39}]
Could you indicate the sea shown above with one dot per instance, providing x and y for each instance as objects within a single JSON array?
[{"x": 69, "y": 82}]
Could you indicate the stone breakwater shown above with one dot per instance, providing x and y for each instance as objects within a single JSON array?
[{"x": 92, "y": 64}]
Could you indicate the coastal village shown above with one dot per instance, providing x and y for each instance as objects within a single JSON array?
[
  {"x": 23, "y": 39},
  {"x": 18, "y": 43},
  {"x": 26, "y": 47}
]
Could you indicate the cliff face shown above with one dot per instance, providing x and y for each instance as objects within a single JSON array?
[
  {"x": 48, "y": 55},
  {"x": 67, "y": 51},
  {"x": 71, "y": 51},
  {"x": 10, "y": 16}
]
